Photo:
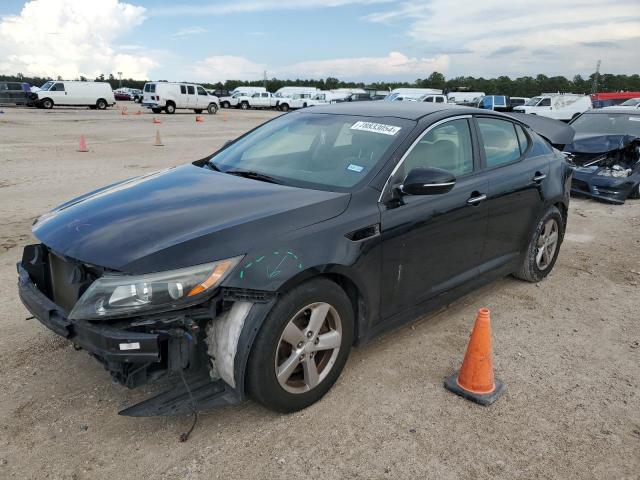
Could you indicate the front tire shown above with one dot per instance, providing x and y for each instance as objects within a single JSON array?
[
  {"x": 225, "y": 105},
  {"x": 244, "y": 106},
  {"x": 284, "y": 107},
  {"x": 302, "y": 346},
  {"x": 544, "y": 246},
  {"x": 212, "y": 109},
  {"x": 47, "y": 103}
]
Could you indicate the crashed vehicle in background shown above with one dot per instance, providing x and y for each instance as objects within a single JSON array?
[
  {"x": 606, "y": 152},
  {"x": 256, "y": 269}
]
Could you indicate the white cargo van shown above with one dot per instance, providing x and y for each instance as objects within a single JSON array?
[
  {"x": 63, "y": 92},
  {"x": 559, "y": 106},
  {"x": 322, "y": 98},
  {"x": 410, "y": 94},
  {"x": 169, "y": 96},
  {"x": 464, "y": 97}
]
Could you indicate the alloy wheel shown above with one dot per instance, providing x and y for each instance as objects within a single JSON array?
[
  {"x": 547, "y": 244},
  {"x": 308, "y": 347}
]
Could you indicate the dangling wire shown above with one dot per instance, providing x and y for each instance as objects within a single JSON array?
[{"x": 185, "y": 435}]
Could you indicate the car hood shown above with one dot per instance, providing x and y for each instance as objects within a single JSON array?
[
  {"x": 599, "y": 143},
  {"x": 180, "y": 217}
]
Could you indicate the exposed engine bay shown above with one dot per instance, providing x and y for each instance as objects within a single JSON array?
[{"x": 612, "y": 175}]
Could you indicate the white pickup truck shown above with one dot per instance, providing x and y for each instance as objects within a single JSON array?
[
  {"x": 296, "y": 100},
  {"x": 256, "y": 100},
  {"x": 559, "y": 106}
]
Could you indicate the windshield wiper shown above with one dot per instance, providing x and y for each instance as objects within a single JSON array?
[
  {"x": 253, "y": 175},
  {"x": 212, "y": 166}
]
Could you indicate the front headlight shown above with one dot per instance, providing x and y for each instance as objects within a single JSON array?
[{"x": 121, "y": 295}]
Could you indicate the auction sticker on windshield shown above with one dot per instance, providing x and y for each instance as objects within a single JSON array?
[{"x": 376, "y": 128}]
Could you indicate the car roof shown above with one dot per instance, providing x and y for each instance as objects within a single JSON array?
[
  {"x": 405, "y": 110},
  {"x": 621, "y": 110}
]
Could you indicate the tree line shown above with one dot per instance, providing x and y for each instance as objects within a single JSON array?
[{"x": 526, "y": 86}]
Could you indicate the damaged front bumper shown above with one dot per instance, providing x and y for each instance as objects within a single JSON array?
[
  {"x": 587, "y": 183},
  {"x": 173, "y": 347}
]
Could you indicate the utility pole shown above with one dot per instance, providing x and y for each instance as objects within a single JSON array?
[
  {"x": 120, "y": 75},
  {"x": 265, "y": 80},
  {"x": 594, "y": 85}
]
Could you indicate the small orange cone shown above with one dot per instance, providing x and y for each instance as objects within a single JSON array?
[
  {"x": 475, "y": 380},
  {"x": 224, "y": 116},
  {"x": 156, "y": 120},
  {"x": 199, "y": 119},
  {"x": 138, "y": 113},
  {"x": 83, "y": 145},
  {"x": 158, "y": 142}
]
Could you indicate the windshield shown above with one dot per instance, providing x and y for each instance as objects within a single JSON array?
[
  {"x": 632, "y": 102},
  {"x": 326, "y": 152},
  {"x": 608, "y": 123},
  {"x": 533, "y": 101}
]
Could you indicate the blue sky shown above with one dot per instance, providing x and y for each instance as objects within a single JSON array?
[{"x": 362, "y": 40}]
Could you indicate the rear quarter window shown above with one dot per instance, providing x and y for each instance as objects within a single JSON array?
[{"x": 499, "y": 140}]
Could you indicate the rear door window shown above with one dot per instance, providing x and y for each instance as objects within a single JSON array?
[
  {"x": 499, "y": 141},
  {"x": 191, "y": 89},
  {"x": 150, "y": 88},
  {"x": 183, "y": 89}
]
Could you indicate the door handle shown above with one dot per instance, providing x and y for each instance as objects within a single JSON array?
[
  {"x": 538, "y": 177},
  {"x": 477, "y": 199}
]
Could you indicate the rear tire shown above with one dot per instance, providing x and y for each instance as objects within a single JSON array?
[
  {"x": 212, "y": 109},
  {"x": 244, "y": 106},
  {"x": 101, "y": 104},
  {"x": 544, "y": 246},
  {"x": 170, "y": 108},
  {"x": 47, "y": 103},
  {"x": 307, "y": 382}
]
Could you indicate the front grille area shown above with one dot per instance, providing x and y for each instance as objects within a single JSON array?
[{"x": 62, "y": 280}]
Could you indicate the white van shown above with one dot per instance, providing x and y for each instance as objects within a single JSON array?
[
  {"x": 322, "y": 98},
  {"x": 288, "y": 91},
  {"x": 559, "y": 106},
  {"x": 410, "y": 94},
  {"x": 63, "y": 92},
  {"x": 169, "y": 96},
  {"x": 464, "y": 97},
  {"x": 433, "y": 98}
]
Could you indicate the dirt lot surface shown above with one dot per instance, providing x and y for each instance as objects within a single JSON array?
[{"x": 568, "y": 350}]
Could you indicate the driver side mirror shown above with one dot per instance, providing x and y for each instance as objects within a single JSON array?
[{"x": 427, "y": 181}]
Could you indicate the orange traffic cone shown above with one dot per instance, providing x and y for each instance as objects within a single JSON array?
[
  {"x": 224, "y": 116},
  {"x": 138, "y": 113},
  {"x": 156, "y": 120},
  {"x": 158, "y": 141},
  {"x": 475, "y": 380},
  {"x": 83, "y": 145},
  {"x": 199, "y": 119}
]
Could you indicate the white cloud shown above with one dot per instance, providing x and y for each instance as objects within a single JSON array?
[
  {"x": 395, "y": 65},
  {"x": 492, "y": 37},
  {"x": 227, "y": 67},
  {"x": 187, "y": 31},
  {"x": 244, "y": 6},
  {"x": 71, "y": 38}
]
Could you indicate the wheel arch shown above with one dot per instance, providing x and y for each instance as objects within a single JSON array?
[{"x": 335, "y": 273}]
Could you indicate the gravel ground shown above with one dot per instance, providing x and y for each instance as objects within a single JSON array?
[{"x": 568, "y": 350}]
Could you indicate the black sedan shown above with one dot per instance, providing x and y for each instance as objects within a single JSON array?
[
  {"x": 606, "y": 150},
  {"x": 255, "y": 270}
]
